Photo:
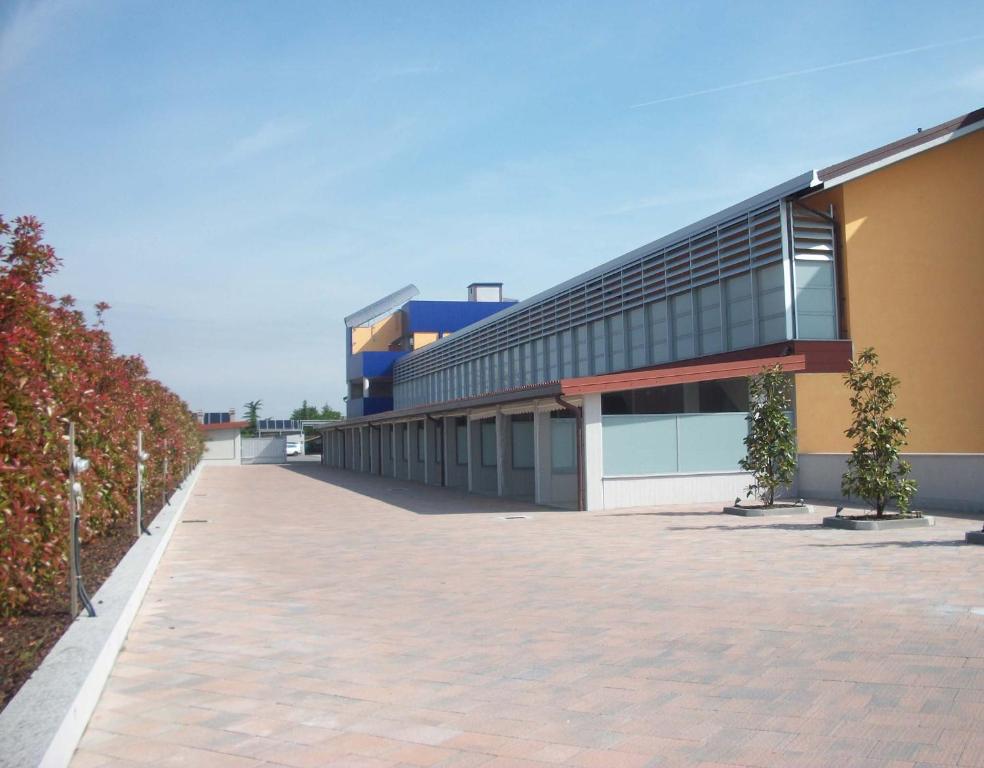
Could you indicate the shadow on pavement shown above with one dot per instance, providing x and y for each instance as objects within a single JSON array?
[
  {"x": 910, "y": 544},
  {"x": 412, "y": 496}
]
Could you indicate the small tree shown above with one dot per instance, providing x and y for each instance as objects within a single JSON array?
[
  {"x": 875, "y": 470},
  {"x": 252, "y": 413},
  {"x": 771, "y": 439},
  {"x": 327, "y": 412}
]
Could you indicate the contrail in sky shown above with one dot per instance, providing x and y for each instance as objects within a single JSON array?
[{"x": 809, "y": 71}]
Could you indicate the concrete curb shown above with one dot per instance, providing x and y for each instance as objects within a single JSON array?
[
  {"x": 780, "y": 510},
  {"x": 847, "y": 523},
  {"x": 43, "y": 723}
]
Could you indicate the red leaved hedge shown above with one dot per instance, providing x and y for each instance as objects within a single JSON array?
[{"x": 55, "y": 368}]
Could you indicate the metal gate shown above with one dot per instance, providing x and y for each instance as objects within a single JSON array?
[{"x": 264, "y": 450}]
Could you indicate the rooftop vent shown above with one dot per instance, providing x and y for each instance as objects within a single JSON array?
[{"x": 485, "y": 292}]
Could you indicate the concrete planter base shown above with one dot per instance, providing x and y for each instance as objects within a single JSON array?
[
  {"x": 777, "y": 510},
  {"x": 975, "y": 537},
  {"x": 850, "y": 524}
]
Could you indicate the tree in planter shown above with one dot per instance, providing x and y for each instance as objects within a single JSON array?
[
  {"x": 875, "y": 470},
  {"x": 771, "y": 439}
]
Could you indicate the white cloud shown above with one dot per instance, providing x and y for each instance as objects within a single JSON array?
[
  {"x": 29, "y": 25},
  {"x": 270, "y": 135}
]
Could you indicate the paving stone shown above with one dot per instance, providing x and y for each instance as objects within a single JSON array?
[{"x": 326, "y": 618}]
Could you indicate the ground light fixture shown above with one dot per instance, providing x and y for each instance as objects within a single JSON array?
[
  {"x": 142, "y": 457},
  {"x": 77, "y": 466}
]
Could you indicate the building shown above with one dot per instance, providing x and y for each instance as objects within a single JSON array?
[
  {"x": 627, "y": 385},
  {"x": 222, "y": 433},
  {"x": 387, "y": 330}
]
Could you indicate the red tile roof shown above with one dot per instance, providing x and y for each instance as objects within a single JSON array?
[{"x": 223, "y": 425}]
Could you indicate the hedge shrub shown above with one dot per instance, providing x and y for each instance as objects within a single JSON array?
[{"x": 56, "y": 368}]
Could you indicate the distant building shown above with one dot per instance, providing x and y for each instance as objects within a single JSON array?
[
  {"x": 380, "y": 334},
  {"x": 222, "y": 433},
  {"x": 627, "y": 385}
]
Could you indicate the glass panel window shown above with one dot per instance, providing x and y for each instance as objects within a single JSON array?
[
  {"x": 553, "y": 358},
  {"x": 581, "y": 359},
  {"x": 739, "y": 312},
  {"x": 681, "y": 309},
  {"x": 659, "y": 346},
  {"x": 815, "y": 310},
  {"x": 563, "y": 443},
  {"x": 461, "y": 442},
  {"x": 637, "y": 338},
  {"x": 770, "y": 292},
  {"x": 567, "y": 353},
  {"x": 599, "y": 347},
  {"x": 487, "y": 428},
  {"x": 709, "y": 307},
  {"x": 421, "y": 440},
  {"x": 616, "y": 342},
  {"x": 522, "y": 442}
]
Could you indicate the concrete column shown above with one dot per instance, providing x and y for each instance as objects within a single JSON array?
[
  {"x": 471, "y": 426},
  {"x": 449, "y": 433},
  {"x": 428, "y": 452},
  {"x": 394, "y": 431},
  {"x": 407, "y": 456},
  {"x": 501, "y": 430},
  {"x": 541, "y": 457},
  {"x": 594, "y": 490}
]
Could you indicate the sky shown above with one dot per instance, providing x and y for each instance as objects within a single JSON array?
[{"x": 236, "y": 177}]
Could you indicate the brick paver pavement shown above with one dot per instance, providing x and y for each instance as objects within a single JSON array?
[{"x": 325, "y": 618}]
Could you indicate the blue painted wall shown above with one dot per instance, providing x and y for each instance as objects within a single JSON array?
[{"x": 448, "y": 315}]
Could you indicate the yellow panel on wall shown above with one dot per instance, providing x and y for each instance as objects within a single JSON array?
[
  {"x": 377, "y": 337},
  {"x": 423, "y": 338}
]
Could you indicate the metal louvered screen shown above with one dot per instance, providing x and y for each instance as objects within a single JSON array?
[{"x": 724, "y": 286}]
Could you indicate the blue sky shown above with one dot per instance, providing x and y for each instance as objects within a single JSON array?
[{"x": 235, "y": 177}]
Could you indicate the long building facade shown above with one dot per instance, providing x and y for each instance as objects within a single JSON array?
[{"x": 627, "y": 385}]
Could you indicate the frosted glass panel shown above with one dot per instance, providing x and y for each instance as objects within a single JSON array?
[
  {"x": 488, "y": 443},
  {"x": 639, "y": 445},
  {"x": 563, "y": 445},
  {"x": 711, "y": 442},
  {"x": 522, "y": 444},
  {"x": 815, "y": 300},
  {"x": 672, "y": 444},
  {"x": 461, "y": 444}
]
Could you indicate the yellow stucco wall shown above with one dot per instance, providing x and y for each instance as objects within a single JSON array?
[
  {"x": 913, "y": 256},
  {"x": 378, "y": 337},
  {"x": 423, "y": 338}
]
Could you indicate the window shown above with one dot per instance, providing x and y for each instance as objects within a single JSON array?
[
  {"x": 659, "y": 349},
  {"x": 681, "y": 308},
  {"x": 738, "y": 305},
  {"x": 563, "y": 443},
  {"x": 709, "y": 307},
  {"x": 567, "y": 353},
  {"x": 461, "y": 441},
  {"x": 521, "y": 427},
  {"x": 487, "y": 427},
  {"x": 421, "y": 440},
  {"x": 439, "y": 442},
  {"x": 581, "y": 357},
  {"x": 637, "y": 337},
  {"x": 724, "y": 396},
  {"x": 599, "y": 347}
]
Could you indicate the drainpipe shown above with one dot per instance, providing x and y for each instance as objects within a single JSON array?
[
  {"x": 579, "y": 427},
  {"x": 443, "y": 452}
]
